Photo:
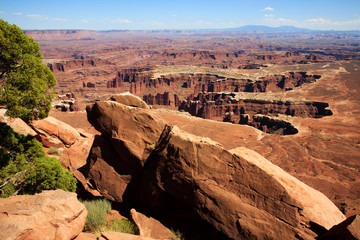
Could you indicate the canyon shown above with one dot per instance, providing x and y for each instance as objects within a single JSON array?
[{"x": 217, "y": 101}]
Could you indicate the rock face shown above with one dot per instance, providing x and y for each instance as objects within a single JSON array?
[
  {"x": 311, "y": 202},
  {"x": 129, "y": 99},
  {"x": 158, "y": 99},
  {"x": 272, "y": 125},
  {"x": 232, "y": 107},
  {"x": 162, "y": 168},
  {"x": 137, "y": 80},
  {"x": 215, "y": 105},
  {"x": 150, "y": 227},
  {"x": 48, "y": 215},
  {"x": 52, "y": 132},
  {"x": 347, "y": 230},
  {"x": 128, "y": 136},
  {"x": 132, "y": 131},
  {"x": 223, "y": 188},
  {"x": 77, "y": 63}
]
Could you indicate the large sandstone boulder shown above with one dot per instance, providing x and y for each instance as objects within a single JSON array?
[
  {"x": 311, "y": 202},
  {"x": 129, "y": 99},
  {"x": 128, "y": 136},
  {"x": 48, "y": 215},
  {"x": 234, "y": 195},
  {"x": 165, "y": 168},
  {"x": 54, "y": 133},
  {"x": 132, "y": 131}
]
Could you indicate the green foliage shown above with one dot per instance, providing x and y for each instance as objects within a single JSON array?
[
  {"x": 54, "y": 151},
  {"x": 27, "y": 83},
  {"x": 97, "y": 211},
  {"x": 45, "y": 174},
  {"x": 25, "y": 168},
  {"x": 119, "y": 225},
  {"x": 96, "y": 218}
]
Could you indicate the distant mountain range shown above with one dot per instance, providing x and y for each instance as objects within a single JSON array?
[
  {"x": 257, "y": 29},
  {"x": 261, "y": 28}
]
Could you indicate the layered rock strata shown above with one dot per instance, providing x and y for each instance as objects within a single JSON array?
[
  {"x": 245, "y": 109},
  {"x": 141, "y": 79}
]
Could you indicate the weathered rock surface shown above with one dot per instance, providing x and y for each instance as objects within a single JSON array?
[
  {"x": 141, "y": 79},
  {"x": 123, "y": 236},
  {"x": 311, "y": 202},
  {"x": 158, "y": 99},
  {"x": 16, "y": 124},
  {"x": 150, "y": 227},
  {"x": 128, "y": 136},
  {"x": 129, "y": 99},
  {"x": 87, "y": 236},
  {"x": 231, "y": 107},
  {"x": 272, "y": 125},
  {"x": 215, "y": 105},
  {"x": 346, "y": 230},
  {"x": 168, "y": 169},
  {"x": 224, "y": 189},
  {"x": 54, "y": 133},
  {"x": 48, "y": 215},
  {"x": 64, "y": 66},
  {"x": 132, "y": 131}
]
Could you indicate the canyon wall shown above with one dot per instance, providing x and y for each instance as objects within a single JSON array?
[{"x": 236, "y": 108}]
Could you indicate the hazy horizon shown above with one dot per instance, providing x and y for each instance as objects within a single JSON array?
[{"x": 161, "y": 15}]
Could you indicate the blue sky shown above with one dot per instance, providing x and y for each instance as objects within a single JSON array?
[{"x": 180, "y": 14}]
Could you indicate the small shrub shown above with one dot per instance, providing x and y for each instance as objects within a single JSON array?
[
  {"x": 177, "y": 235},
  {"x": 119, "y": 225},
  {"x": 97, "y": 211},
  {"x": 47, "y": 174},
  {"x": 25, "y": 168},
  {"x": 54, "y": 151}
]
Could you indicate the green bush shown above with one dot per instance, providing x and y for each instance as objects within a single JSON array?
[
  {"x": 25, "y": 168},
  {"x": 47, "y": 173},
  {"x": 97, "y": 211}
]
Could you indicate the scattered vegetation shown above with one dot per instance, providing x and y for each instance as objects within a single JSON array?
[
  {"x": 119, "y": 225},
  {"x": 177, "y": 235},
  {"x": 96, "y": 218},
  {"x": 54, "y": 151},
  {"x": 97, "y": 211},
  {"x": 25, "y": 168}
]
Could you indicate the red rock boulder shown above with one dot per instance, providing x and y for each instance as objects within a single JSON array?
[
  {"x": 150, "y": 227},
  {"x": 47, "y": 215},
  {"x": 235, "y": 196},
  {"x": 54, "y": 133},
  {"x": 128, "y": 136},
  {"x": 129, "y": 99}
]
